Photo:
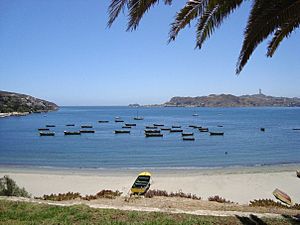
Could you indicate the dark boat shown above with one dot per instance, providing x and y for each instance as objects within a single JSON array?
[
  {"x": 122, "y": 131},
  {"x": 130, "y": 124},
  {"x": 150, "y": 127},
  {"x": 49, "y": 125},
  {"x": 262, "y": 129},
  {"x": 86, "y": 126},
  {"x": 203, "y": 129},
  {"x": 87, "y": 131},
  {"x": 219, "y": 125},
  {"x": 188, "y": 139},
  {"x": 298, "y": 173},
  {"x": 142, "y": 184},
  {"x": 296, "y": 128},
  {"x": 216, "y": 133},
  {"x": 152, "y": 131},
  {"x": 72, "y": 133},
  {"x": 70, "y": 125},
  {"x": 165, "y": 128},
  {"x": 176, "y": 126},
  {"x": 47, "y": 133},
  {"x": 153, "y": 135},
  {"x": 195, "y": 126},
  {"x": 138, "y": 118},
  {"x": 126, "y": 127},
  {"x": 175, "y": 130},
  {"x": 103, "y": 121},
  {"x": 119, "y": 121},
  {"x": 187, "y": 134},
  {"x": 158, "y": 125},
  {"x": 43, "y": 129}
]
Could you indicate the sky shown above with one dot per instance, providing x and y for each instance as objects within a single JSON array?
[{"x": 62, "y": 51}]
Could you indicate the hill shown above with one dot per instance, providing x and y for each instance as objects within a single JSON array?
[
  {"x": 228, "y": 100},
  {"x": 21, "y": 103}
]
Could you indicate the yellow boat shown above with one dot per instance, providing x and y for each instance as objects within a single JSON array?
[{"x": 142, "y": 183}]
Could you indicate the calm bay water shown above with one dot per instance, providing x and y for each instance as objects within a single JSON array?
[{"x": 21, "y": 145}]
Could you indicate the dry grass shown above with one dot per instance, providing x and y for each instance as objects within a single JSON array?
[
  {"x": 152, "y": 193},
  {"x": 272, "y": 203},
  {"x": 219, "y": 199}
]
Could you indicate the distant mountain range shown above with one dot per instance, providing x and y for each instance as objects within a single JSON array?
[
  {"x": 228, "y": 100},
  {"x": 21, "y": 103}
]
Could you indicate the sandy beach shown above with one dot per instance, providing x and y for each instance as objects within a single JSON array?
[{"x": 239, "y": 185}]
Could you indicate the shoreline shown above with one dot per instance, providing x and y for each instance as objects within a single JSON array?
[{"x": 235, "y": 184}]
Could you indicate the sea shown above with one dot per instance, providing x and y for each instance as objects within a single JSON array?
[{"x": 243, "y": 143}]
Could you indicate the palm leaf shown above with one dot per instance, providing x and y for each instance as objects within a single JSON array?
[{"x": 114, "y": 9}]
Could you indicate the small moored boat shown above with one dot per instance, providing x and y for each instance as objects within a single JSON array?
[
  {"x": 216, "y": 133},
  {"x": 142, "y": 184},
  {"x": 138, "y": 118},
  {"x": 119, "y": 121},
  {"x": 87, "y": 131},
  {"x": 280, "y": 195},
  {"x": 43, "y": 129},
  {"x": 176, "y": 130},
  {"x": 130, "y": 124},
  {"x": 72, "y": 133},
  {"x": 70, "y": 125},
  {"x": 262, "y": 129},
  {"x": 103, "y": 121},
  {"x": 153, "y": 135},
  {"x": 47, "y": 133},
  {"x": 86, "y": 126},
  {"x": 152, "y": 131},
  {"x": 187, "y": 134},
  {"x": 203, "y": 129},
  {"x": 50, "y": 125},
  {"x": 165, "y": 128},
  {"x": 296, "y": 128},
  {"x": 122, "y": 131},
  {"x": 126, "y": 127},
  {"x": 176, "y": 126},
  {"x": 151, "y": 127},
  {"x": 188, "y": 139},
  {"x": 158, "y": 125}
]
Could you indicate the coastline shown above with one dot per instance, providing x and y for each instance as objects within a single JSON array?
[{"x": 237, "y": 184}]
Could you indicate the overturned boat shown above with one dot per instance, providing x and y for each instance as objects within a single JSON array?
[{"x": 142, "y": 184}]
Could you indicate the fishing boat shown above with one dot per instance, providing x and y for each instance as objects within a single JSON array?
[
  {"x": 298, "y": 173},
  {"x": 176, "y": 126},
  {"x": 43, "y": 129},
  {"x": 72, "y": 133},
  {"x": 70, "y": 125},
  {"x": 195, "y": 126},
  {"x": 119, "y": 121},
  {"x": 195, "y": 114},
  {"x": 151, "y": 127},
  {"x": 50, "y": 125},
  {"x": 86, "y": 126},
  {"x": 103, "y": 121},
  {"x": 122, "y": 131},
  {"x": 142, "y": 184},
  {"x": 187, "y": 134},
  {"x": 165, "y": 128},
  {"x": 203, "y": 129},
  {"x": 138, "y": 117},
  {"x": 175, "y": 130},
  {"x": 216, "y": 133},
  {"x": 151, "y": 131},
  {"x": 158, "y": 125},
  {"x": 47, "y": 133},
  {"x": 130, "y": 124},
  {"x": 280, "y": 195},
  {"x": 126, "y": 127},
  {"x": 87, "y": 131},
  {"x": 153, "y": 135},
  {"x": 188, "y": 138}
]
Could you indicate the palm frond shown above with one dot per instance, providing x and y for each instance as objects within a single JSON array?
[
  {"x": 265, "y": 18},
  {"x": 191, "y": 10},
  {"x": 114, "y": 9},
  {"x": 279, "y": 35},
  {"x": 214, "y": 15}
]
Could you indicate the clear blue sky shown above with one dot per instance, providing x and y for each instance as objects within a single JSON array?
[{"x": 61, "y": 50}]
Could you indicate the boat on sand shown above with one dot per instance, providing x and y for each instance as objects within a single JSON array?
[
  {"x": 142, "y": 184},
  {"x": 280, "y": 195}
]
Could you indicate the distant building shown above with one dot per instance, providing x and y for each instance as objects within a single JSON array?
[{"x": 260, "y": 92}]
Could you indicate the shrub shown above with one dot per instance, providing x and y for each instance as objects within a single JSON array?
[
  {"x": 272, "y": 203},
  {"x": 180, "y": 194},
  {"x": 219, "y": 199},
  {"x": 103, "y": 194},
  {"x": 8, "y": 187},
  {"x": 61, "y": 197}
]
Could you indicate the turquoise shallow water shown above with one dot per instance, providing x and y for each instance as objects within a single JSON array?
[{"x": 21, "y": 145}]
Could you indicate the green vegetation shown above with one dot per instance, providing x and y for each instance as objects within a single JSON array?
[
  {"x": 276, "y": 18},
  {"x": 32, "y": 213},
  {"x": 8, "y": 187}
]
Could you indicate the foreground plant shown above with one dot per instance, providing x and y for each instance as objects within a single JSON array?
[
  {"x": 8, "y": 187},
  {"x": 276, "y": 18}
]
